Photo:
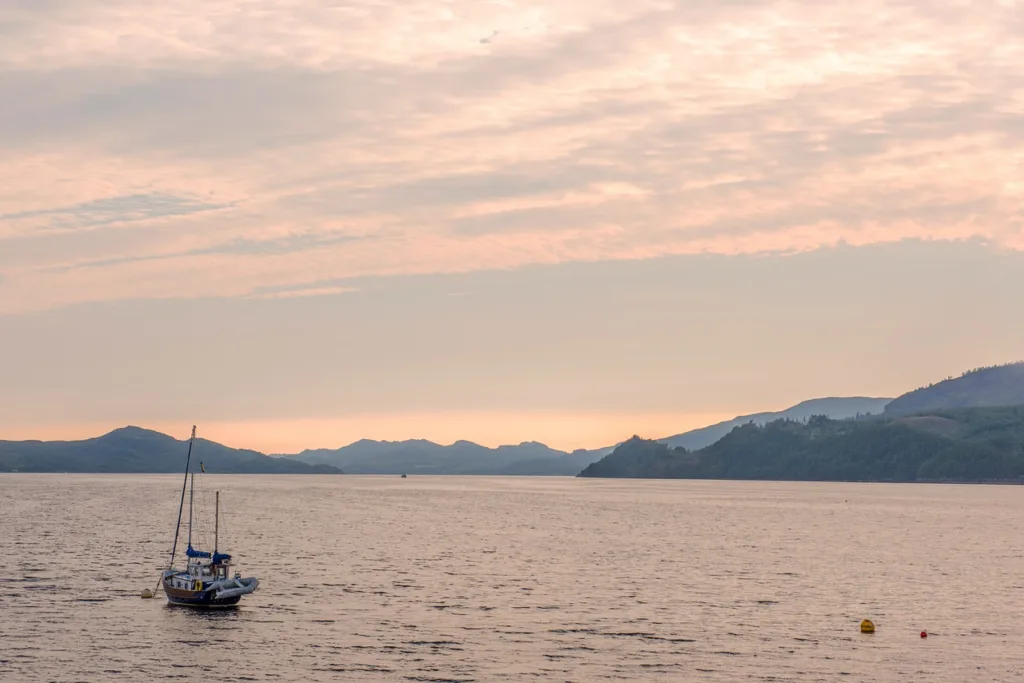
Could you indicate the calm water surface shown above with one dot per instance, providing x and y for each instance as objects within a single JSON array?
[{"x": 519, "y": 579}]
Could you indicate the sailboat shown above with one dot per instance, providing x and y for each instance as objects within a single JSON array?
[{"x": 206, "y": 579}]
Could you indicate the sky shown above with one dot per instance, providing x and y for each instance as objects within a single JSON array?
[{"x": 297, "y": 224}]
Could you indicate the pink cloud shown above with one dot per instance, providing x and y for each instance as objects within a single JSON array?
[{"x": 206, "y": 149}]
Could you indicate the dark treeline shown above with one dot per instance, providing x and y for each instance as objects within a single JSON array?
[{"x": 978, "y": 444}]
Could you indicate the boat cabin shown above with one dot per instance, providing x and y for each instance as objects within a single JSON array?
[{"x": 202, "y": 566}]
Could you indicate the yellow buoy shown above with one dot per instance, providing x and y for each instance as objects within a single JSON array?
[
  {"x": 146, "y": 593},
  {"x": 867, "y": 626}
]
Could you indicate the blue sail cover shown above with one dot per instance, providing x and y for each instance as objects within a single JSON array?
[{"x": 216, "y": 557}]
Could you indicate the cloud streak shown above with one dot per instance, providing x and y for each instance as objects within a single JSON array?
[{"x": 193, "y": 149}]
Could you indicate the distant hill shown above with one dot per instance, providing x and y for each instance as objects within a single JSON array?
[
  {"x": 835, "y": 408},
  {"x": 418, "y": 456},
  {"x": 966, "y": 445},
  {"x": 638, "y": 458},
  {"x": 1001, "y": 385},
  {"x": 131, "y": 449}
]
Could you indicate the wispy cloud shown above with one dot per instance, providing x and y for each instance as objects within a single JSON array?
[
  {"x": 105, "y": 212},
  {"x": 216, "y": 149},
  {"x": 304, "y": 291}
]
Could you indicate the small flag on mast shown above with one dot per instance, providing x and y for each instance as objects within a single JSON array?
[{"x": 202, "y": 467}]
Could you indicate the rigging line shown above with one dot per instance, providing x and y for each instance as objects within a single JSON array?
[
  {"x": 191, "y": 499},
  {"x": 204, "y": 503},
  {"x": 181, "y": 504},
  {"x": 223, "y": 524},
  {"x": 201, "y": 518}
]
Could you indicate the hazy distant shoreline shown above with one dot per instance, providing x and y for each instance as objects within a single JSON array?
[{"x": 968, "y": 429}]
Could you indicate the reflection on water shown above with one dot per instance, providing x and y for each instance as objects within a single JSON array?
[{"x": 511, "y": 579}]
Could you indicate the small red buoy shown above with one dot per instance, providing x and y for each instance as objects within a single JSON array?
[{"x": 924, "y": 634}]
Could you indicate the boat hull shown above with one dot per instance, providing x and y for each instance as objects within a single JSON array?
[
  {"x": 225, "y": 593},
  {"x": 205, "y": 598}
]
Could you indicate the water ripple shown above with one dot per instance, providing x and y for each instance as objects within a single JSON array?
[{"x": 451, "y": 579}]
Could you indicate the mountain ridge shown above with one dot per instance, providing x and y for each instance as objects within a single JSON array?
[
  {"x": 132, "y": 449},
  {"x": 987, "y": 445},
  {"x": 956, "y": 430},
  {"x": 461, "y": 457},
  {"x": 836, "y": 407},
  {"x": 122, "y": 448},
  {"x": 991, "y": 386},
  {"x": 413, "y": 456}
]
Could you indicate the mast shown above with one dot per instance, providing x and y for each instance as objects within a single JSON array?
[
  {"x": 216, "y": 524},
  {"x": 181, "y": 503},
  {"x": 191, "y": 496}
]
